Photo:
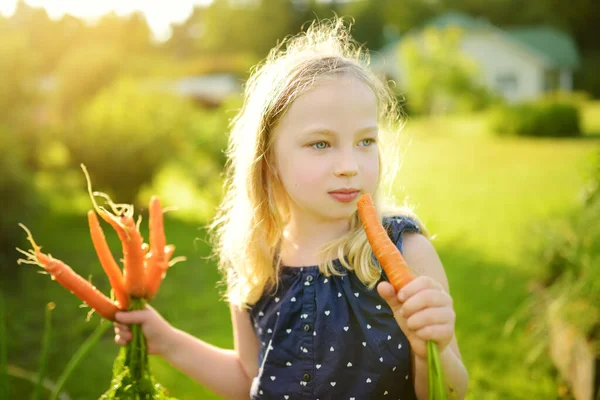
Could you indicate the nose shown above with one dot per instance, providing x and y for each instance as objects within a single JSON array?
[{"x": 346, "y": 164}]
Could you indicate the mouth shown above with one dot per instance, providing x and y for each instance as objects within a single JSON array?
[{"x": 345, "y": 196}]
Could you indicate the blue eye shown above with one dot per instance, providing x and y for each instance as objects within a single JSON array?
[
  {"x": 319, "y": 148},
  {"x": 371, "y": 140}
]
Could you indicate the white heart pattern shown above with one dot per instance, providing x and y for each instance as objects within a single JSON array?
[
  {"x": 318, "y": 366},
  {"x": 393, "y": 369},
  {"x": 276, "y": 299},
  {"x": 327, "y": 312},
  {"x": 289, "y": 364},
  {"x": 349, "y": 364},
  {"x": 293, "y": 299},
  {"x": 325, "y": 280},
  {"x": 381, "y": 359},
  {"x": 331, "y": 348},
  {"x": 332, "y": 383},
  {"x": 339, "y": 295},
  {"x": 389, "y": 337},
  {"x": 346, "y": 328},
  {"x": 356, "y": 294},
  {"x": 368, "y": 380},
  {"x": 364, "y": 344},
  {"x": 384, "y": 393},
  {"x": 368, "y": 326},
  {"x": 288, "y": 330},
  {"x": 273, "y": 378},
  {"x": 285, "y": 396}
]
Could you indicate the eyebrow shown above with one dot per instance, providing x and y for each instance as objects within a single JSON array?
[{"x": 329, "y": 132}]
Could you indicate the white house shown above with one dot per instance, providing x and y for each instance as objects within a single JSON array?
[{"x": 518, "y": 63}]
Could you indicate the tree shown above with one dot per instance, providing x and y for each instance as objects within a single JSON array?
[{"x": 439, "y": 76}]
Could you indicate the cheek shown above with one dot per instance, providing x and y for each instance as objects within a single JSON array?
[{"x": 302, "y": 173}]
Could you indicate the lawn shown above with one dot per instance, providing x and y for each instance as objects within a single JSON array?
[{"x": 478, "y": 194}]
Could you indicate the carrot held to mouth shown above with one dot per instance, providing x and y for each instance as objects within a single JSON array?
[{"x": 399, "y": 274}]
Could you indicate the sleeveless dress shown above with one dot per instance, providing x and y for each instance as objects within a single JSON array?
[{"x": 331, "y": 337}]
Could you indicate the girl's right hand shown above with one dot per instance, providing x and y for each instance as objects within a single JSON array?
[{"x": 157, "y": 331}]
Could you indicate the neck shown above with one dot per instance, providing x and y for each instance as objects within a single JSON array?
[{"x": 303, "y": 238}]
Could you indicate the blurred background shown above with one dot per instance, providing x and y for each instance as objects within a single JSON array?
[{"x": 501, "y": 160}]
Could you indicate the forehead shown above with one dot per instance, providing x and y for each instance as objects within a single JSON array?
[{"x": 340, "y": 103}]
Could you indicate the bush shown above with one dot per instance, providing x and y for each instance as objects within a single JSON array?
[
  {"x": 126, "y": 133},
  {"x": 567, "y": 286},
  {"x": 546, "y": 118}
]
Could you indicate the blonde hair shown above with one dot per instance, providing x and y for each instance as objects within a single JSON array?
[{"x": 248, "y": 227}]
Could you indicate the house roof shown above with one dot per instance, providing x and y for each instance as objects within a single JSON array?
[
  {"x": 556, "y": 48},
  {"x": 559, "y": 47}
]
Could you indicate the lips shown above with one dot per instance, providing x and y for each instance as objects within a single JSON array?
[
  {"x": 345, "y": 191},
  {"x": 345, "y": 196}
]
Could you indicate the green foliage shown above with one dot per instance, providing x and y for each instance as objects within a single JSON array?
[
  {"x": 46, "y": 345},
  {"x": 82, "y": 73},
  {"x": 4, "y": 389},
  {"x": 132, "y": 379},
  {"x": 439, "y": 77},
  {"x": 587, "y": 77},
  {"x": 544, "y": 118},
  {"x": 570, "y": 278},
  {"x": 369, "y": 20},
  {"x": 79, "y": 355},
  {"x": 16, "y": 62},
  {"x": 126, "y": 133},
  {"x": 205, "y": 33},
  {"x": 18, "y": 200}
]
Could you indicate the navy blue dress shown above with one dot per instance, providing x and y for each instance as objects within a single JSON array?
[{"x": 330, "y": 337}]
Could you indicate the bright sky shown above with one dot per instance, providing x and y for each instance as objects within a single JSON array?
[{"x": 159, "y": 14}]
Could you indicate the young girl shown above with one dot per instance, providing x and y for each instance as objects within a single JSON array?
[{"x": 313, "y": 315}]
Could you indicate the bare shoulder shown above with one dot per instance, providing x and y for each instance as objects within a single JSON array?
[{"x": 422, "y": 257}]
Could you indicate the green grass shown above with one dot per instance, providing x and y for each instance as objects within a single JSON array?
[{"x": 480, "y": 195}]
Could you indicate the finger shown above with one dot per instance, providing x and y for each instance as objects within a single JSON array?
[
  {"x": 436, "y": 332},
  {"x": 430, "y": 316},
  {"x": 132, "y": 317},
  {"x": 416, "y": 285},
  {"x": 425, "y": 298},
  {"x": 120, "y": 340},
  {"x": 120, "y": 327},
  {"x": 388, "y": 293}
]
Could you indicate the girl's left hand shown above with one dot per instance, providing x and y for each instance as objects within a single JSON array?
[{"x": 423, "y": 310}]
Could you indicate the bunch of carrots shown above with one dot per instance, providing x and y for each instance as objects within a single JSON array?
[
  {"x": 144, "y": 268},
  {"x": 399, "y": 274}
]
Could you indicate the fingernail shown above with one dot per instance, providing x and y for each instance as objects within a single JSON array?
[{"x": 402, "y": 296}]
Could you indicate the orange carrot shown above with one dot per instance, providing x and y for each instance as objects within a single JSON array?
[
  {"x": 157, "y": 260},
  {"x": 386, "y": 252},
  {"x": 68, "y": 278},
  {"x": 107, "y": 261},
  {"x": 133, "y": 254}
]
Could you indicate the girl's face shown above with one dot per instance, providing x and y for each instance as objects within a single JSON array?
[{"x": 327, "y": 141}]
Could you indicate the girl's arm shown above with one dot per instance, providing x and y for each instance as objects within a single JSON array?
[
  {"x": 422, "y": 257},
  {"x": 228, "y": 373}
]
